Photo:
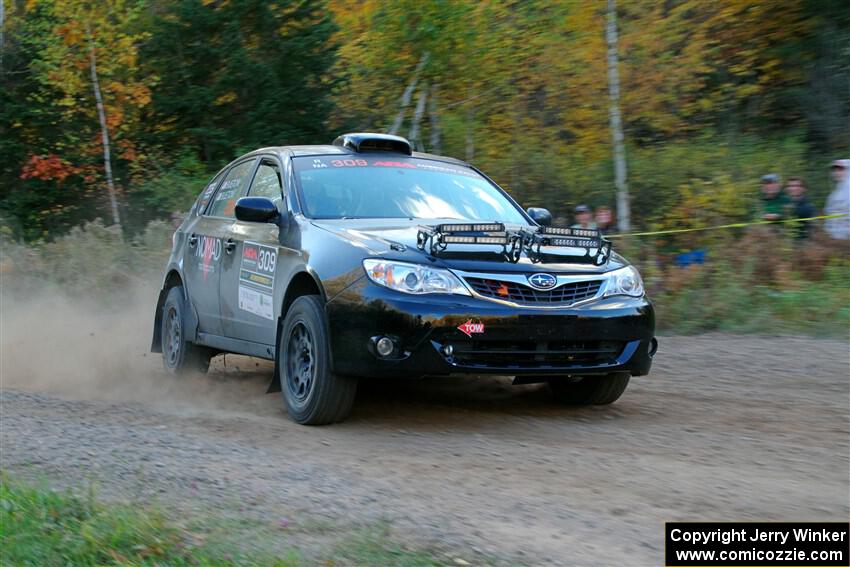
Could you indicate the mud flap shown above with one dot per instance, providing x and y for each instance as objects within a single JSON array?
[
  {"x": 156, "y": 341},
  {"x": 274, "y": 385}
]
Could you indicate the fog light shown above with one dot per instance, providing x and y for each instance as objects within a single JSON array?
[{"x": 384, "y": 346}]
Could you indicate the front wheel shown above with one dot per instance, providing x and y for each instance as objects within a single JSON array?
[
  {"x": 313, "y": 395},
  {"x": 589, "y": 390}
]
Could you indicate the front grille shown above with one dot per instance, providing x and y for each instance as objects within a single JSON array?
[
  {"x": 519, "y": 293},
  {"x": 534, "y": 354}
]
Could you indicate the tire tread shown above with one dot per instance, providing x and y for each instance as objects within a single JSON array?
[
  {"x": 334, "y": 398},
  {"x": 592, "y": 390}
]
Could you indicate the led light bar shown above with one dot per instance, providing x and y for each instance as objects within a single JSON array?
[
  {"x": 471, "y": 227},
  {"x": 454, "y": 239},
  {"x": 492, "y": 239},
  {"x": 575, "y": 242},
  {"x": 579, "y": 232}
]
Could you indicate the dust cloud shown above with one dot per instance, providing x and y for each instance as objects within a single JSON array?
[{"x": 93, "y": 349}]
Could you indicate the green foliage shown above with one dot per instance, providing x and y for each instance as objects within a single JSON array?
[
  {"x": 239, "y": 74},
  {"x": 173, "y": 187},
  {"x": 29, "y": 117},
  {"x": 375, "y": 548},
  {"x": 746, "y": 291},
  {"x": 42, "y": 527}
]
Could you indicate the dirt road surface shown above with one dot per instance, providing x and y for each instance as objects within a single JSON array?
[{"x": 726, "y": 428}]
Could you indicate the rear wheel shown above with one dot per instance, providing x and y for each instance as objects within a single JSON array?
[
  {"x": 178, "y": 355},
  {"x": 589, "y": 390},
  {"x": 313, "y": 395}
]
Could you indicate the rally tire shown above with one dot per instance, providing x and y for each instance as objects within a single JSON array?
[
  {"x": 312, "y": 393},
  {"x": 178, "y": 355},
  {"x": 589, "y": 390}
]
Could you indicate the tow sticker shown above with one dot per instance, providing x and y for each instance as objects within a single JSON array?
[
  {"x": 256, "y": 279},
  {"x": 469, "y": 328}
]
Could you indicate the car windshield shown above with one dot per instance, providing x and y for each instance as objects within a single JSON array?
[{"x": 379, "y": 186}]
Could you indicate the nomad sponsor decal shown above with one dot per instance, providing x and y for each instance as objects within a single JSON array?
[
  {"x": 469, "y": 328},
  {"x": 256, "y": 279},
  {"x": 209, "y": 252}
]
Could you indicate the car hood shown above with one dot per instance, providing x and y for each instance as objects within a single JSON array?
[{"x": 382, "y": 237}]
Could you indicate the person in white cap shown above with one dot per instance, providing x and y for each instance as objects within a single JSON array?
[
  {"x": 839, "y": 201},
  {"x": 584, "y": 217}
]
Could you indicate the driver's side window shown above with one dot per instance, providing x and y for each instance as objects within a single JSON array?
[{"x": 267, "y": 182}]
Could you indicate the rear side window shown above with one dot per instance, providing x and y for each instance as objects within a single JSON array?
[
  {"x": 232, "y": 187},
  {"x": 206, "y": 195}
]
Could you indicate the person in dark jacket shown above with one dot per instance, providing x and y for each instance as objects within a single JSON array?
[
  {"x": 773, "y": 200},
  {"x": 799, "y": 206}
]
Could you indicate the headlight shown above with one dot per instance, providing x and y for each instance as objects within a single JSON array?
[
  {"x": 625, "y": 281},
  {"x": 413, "y": 278}
]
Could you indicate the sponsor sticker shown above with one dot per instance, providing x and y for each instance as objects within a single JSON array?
[
  {"x": 256, "y": 279},
  {"x": 208, "y": 252},
  {"x": 469, "y": 328},
  {"x": 404, "y": 163},
  {"x": 256, "y": 302}
]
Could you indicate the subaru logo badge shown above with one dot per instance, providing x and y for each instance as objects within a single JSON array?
[{"x": 542, "y": 281}]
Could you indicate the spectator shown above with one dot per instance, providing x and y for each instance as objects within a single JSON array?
[
  {"x": 800, "y": 207},
  {"x": 839, "y": 201},
  {"x": 604, "y": 219},
  {"x": 773, "y": 200},
  {"x": 584, "y": 217}
]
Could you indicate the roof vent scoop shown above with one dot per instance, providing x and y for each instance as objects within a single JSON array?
[{"x": 367, "y": 142}]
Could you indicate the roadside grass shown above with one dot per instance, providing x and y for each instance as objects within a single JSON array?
[
  {"x": 728, "y": 301},
  {"x": 42, "y": 527}
]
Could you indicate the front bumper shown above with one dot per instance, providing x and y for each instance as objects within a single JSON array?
[{"x": 615, "y": 334}]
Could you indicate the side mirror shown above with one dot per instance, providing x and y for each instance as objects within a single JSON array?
[
  {"x": 256, "y": 209},
  {"x": 539, "y": 215}
]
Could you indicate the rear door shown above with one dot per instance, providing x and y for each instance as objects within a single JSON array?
[
  {"x": 202, "y": 260},
  {"x": 249, "y": 272}
]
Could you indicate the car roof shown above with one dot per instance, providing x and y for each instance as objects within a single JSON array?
[{"x": 328, "y": 149}]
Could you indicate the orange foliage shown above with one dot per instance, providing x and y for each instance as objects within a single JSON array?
[{"x": 48, "y": 167}]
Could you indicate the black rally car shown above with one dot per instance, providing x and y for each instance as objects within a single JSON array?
[{"x": 363, "y": 258}]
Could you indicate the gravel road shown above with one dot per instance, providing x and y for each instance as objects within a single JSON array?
[{"x": 725, "y": 428}]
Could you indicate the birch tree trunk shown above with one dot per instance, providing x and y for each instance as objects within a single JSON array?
[
  {"x": 470, "y": 134},
  {"x": 2, "y": 31},
  {"x": 417, "y": 118},
  {"x": 623, "y": 211},
  {"x": 104, "y": 130},
  {"x": 434, "y": 123},
  {"x": 408, "y": 94}
]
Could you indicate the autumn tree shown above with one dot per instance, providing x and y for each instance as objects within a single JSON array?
[{"x": 92, "y": 64}]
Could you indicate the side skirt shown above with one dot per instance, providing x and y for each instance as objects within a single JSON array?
[{"x": 237, "y": 346}]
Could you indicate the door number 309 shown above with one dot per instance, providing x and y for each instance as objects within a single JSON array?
[{"x": 267, "y": 260}]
